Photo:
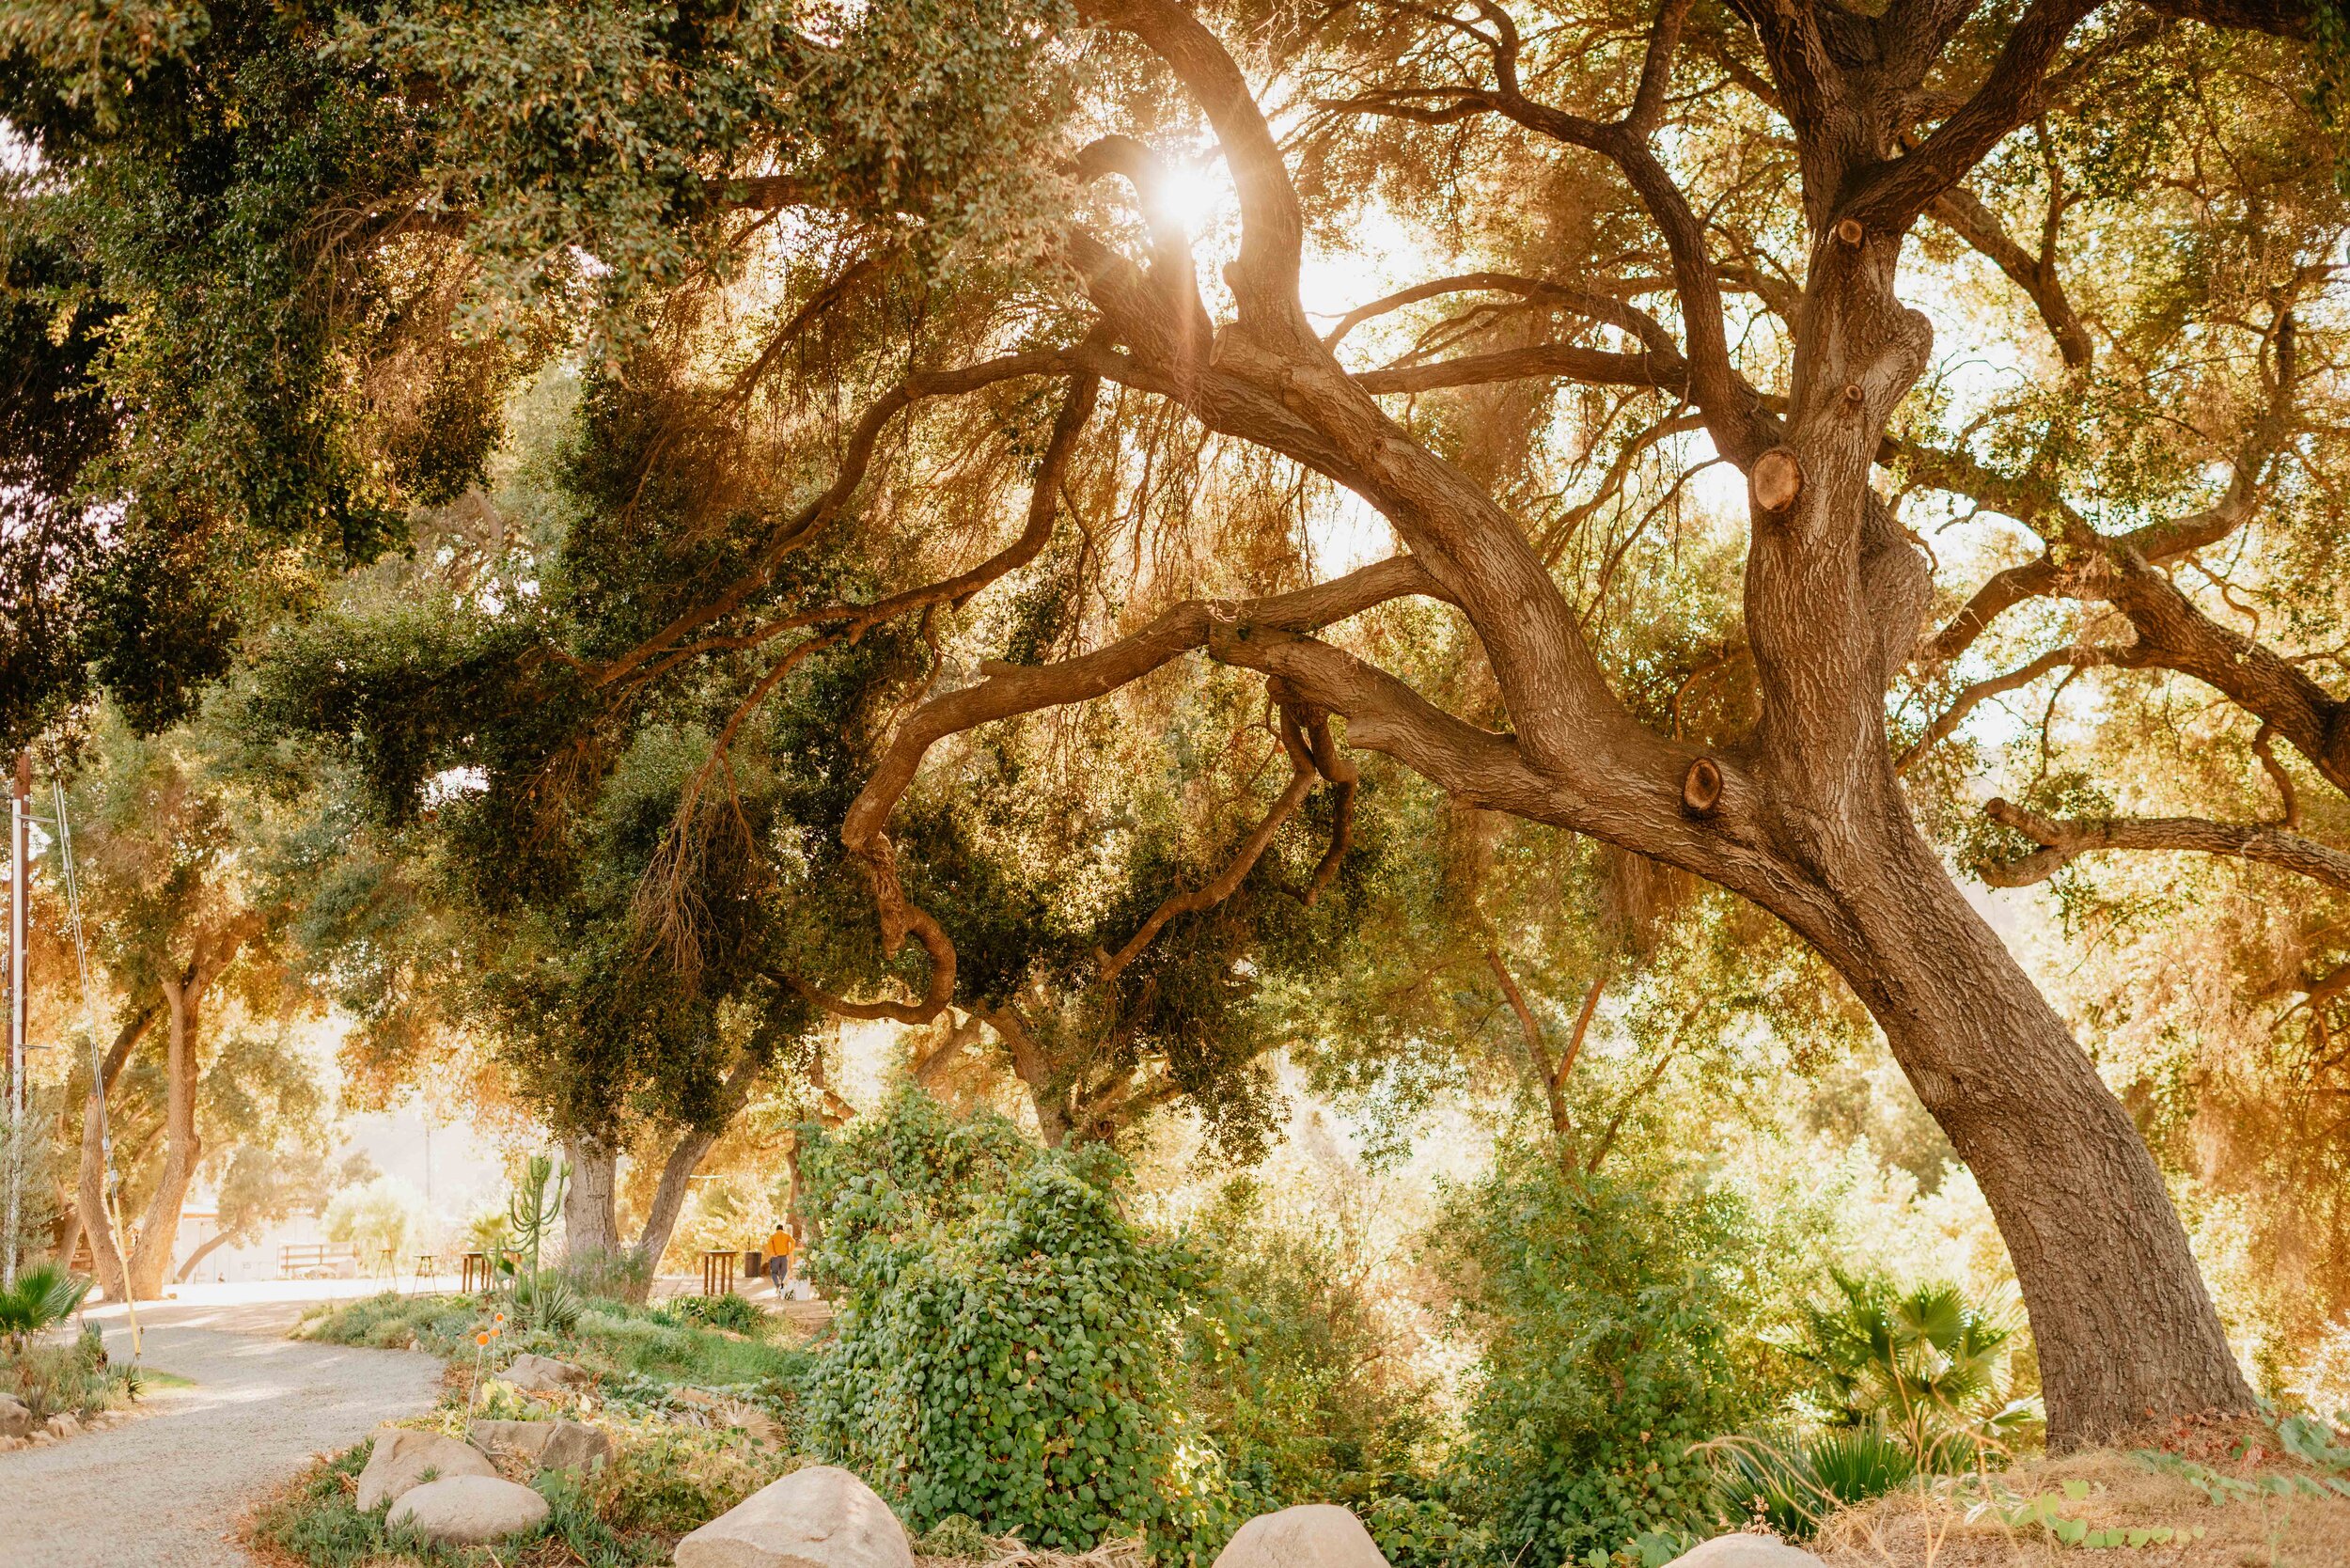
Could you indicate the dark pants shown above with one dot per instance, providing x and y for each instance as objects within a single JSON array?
[{"x": 779, "y": 1270}]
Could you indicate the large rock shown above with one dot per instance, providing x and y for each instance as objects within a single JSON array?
[
  {"x": 470, "y": 1510},
  {"x": 1317, "y": 1535},
  {"x": 819, "y": 1517},
  {"x": 15, "y": 1421},
  {"x": 404, "y": 1456},
  {"x": 543, "y": 1375},
  {"x": 1746, "y": 1551},
  {"x": 549, "y": 1445}
]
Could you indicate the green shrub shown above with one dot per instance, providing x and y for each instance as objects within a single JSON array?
[
  {"x": 73, "y": 1379},
  {"x": 1294, "y": 1373},
  {"x": 1791, "y": 1482},
  {"x": 1605, "y": 1308},
  {"x": 1006, "y": 1340},
  {"x": 440, "y": 1324},
  {"x": 1415, "y": 1533},
  {"x": 548, "y": 1300},
  {"x": 729, "y": 1311},
  {"x": 616, "y": 1274}
]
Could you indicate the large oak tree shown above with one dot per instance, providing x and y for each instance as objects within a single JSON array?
[{"x": 1705, "y": 223}]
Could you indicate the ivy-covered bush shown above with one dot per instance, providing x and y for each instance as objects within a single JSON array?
[
  {"x": 1606, "y": 1308},
  {"x": 1006, "y": 1345}
]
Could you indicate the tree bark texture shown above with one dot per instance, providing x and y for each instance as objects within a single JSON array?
[{"x": 591, "y": 1221}]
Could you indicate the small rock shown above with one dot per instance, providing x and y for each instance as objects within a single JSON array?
[
  {"x": 543, "y": 1375},
  {"x": 62, "y": 1425},
  {"x": 469, "y": 1511},
  {"x": 404, "y": 1454},
  {"x": 1317, "y": 1535},
  {"x": 550, "y": 1445},
  {"x": 15, "y": 1421},
  {"x": 819, "y": 1517},
  {"x": 1746, "y": 1551}
]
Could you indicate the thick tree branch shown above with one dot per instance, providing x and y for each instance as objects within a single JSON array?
[
  {"x": 1961, "y": 211},
  {"x": 2066, "y": 839},
  {"x": 2013, "y": 92},
  {"x": 1272, "y": 226},
  {"x": 1009, "y": 690}
]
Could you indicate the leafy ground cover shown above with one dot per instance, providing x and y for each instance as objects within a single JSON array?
[
  {"x": 700, "y": 1417},
  {"x": 611, "y": 1339},
  {"x": 2234, "y": 1494}
]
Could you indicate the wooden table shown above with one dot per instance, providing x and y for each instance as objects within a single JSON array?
[
  {"x": 476, "y": 1267},
  {"x": 718, "y": 1273}
]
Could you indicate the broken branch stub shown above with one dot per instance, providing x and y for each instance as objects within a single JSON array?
[
  {"x": 1702, "y": 787},
  {"x": 1776, "y": 482}
]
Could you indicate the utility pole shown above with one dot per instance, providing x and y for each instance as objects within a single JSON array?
[{"x": 19, "y": 859}]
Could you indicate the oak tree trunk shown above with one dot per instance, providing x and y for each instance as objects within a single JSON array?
[
  {"x": 89, "y": 1202},
  {"x": 2123, "y": 1325},
  {"x": 591, "y": 1221},
  {"x": 669, "y": 1199},
  {"x": 159, "y": 1229},
  {"x": 685, "y": 1157}
]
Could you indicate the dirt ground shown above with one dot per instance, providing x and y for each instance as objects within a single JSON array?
[{"x": 2275, "y": 1512}]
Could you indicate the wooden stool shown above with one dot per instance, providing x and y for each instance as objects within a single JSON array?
[
  {"x": 427, "y": 1264},
  {"x": 476, "y": 1267},
  {"x": 717, "y": 1273}
]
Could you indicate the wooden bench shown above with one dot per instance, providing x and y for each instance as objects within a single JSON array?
[{"x": 314, "y": 1259}]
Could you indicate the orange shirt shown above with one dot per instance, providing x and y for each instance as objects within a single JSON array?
[{"x": 780, "y": 1245}]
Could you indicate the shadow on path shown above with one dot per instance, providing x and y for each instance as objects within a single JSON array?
[{"x": 169, "y": 1489}]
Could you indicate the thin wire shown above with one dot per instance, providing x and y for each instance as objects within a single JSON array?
[{"x": 110, "y": 1200}]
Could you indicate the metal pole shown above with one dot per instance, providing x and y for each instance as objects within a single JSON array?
[{"x": 20, "y": 856}]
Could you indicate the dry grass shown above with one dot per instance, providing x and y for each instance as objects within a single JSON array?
[
  {"x": 1953, "y": 1525},
  {"x": 1012, "y": 1554}
]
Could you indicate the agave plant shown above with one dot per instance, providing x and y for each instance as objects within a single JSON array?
[
  {"x": 43, "y": 1295},
  {"x": 1923, "y": 1358}
]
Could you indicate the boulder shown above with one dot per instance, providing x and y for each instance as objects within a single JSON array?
[
  {"x": 402, "y": 1456},
  {"x": 1316, "y": 1535},
  {"x": 1746, "y": 1551},
  {"x": 549, "y": 1445},
  {"x": 62, "y": 1424},
  {"x": 469, "y": 1511},
  {"x": 15, "y": 1421},
  {"x": 819, "y": 1517},
  {"x": 543, "y": 1375}
]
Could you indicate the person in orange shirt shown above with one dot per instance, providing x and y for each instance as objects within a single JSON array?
[{"x": 780, "y": 1247}]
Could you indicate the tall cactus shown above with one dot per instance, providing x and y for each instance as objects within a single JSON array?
[{"x": 535, "y": 1203}]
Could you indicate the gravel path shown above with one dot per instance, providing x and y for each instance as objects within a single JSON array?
[{"x": 168, "y": 1489}]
